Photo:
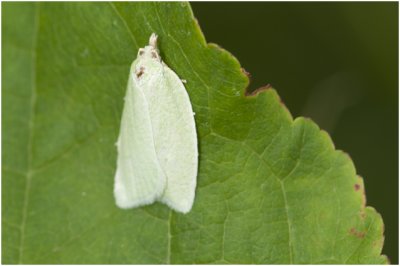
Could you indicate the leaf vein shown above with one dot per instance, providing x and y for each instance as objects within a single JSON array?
[
  {"x": 124, "y": 22},
  {"x": 30, "y": 137}
]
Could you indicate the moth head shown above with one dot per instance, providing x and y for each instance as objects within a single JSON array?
[{"x": 150, "y": 51}]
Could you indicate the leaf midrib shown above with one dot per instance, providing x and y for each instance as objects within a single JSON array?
[{"x": 29, "y": 172}]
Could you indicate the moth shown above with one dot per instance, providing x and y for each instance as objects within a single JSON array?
[{"x": 157, "y": 144}]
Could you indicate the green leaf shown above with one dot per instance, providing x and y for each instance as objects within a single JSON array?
[{"x": 270, "y": 189}]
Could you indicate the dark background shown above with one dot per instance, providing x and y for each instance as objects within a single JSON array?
[{"x": 334, "y": 62}]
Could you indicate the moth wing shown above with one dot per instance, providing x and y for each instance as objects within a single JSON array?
[
  {"x": 139, "y": 179},
  {"x": 175, "y": 138}
]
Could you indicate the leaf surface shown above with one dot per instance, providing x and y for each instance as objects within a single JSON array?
[{"x": 270, "y": 189}]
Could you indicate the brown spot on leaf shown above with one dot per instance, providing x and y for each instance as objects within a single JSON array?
[
  {"x": 356, "y": 233},
  {"x": 361, "y": 190}
]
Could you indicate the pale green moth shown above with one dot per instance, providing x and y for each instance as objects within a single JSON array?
[{"x": 157, "y": 144}]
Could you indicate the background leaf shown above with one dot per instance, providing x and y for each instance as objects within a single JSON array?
[
  {"x": 270, "y": 189},
  {"x": 335, "y": 62}
]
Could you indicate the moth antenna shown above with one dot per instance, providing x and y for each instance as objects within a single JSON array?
[{"x": 153, "y": 40}]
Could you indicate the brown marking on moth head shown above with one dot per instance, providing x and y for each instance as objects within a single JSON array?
[
  {"x": 356, "y": 233},
  {"x": 154, "y": 54},
  {"x": 139, "y": 72},
  {"x": 141, "y": 51}
]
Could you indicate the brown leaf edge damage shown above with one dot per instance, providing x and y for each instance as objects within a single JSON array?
[
  {"x": 247, "y": 92},
  {"x": 358, "y": 186}
]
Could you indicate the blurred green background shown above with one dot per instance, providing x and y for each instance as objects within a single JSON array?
[{"x": 336, "y": 63}]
